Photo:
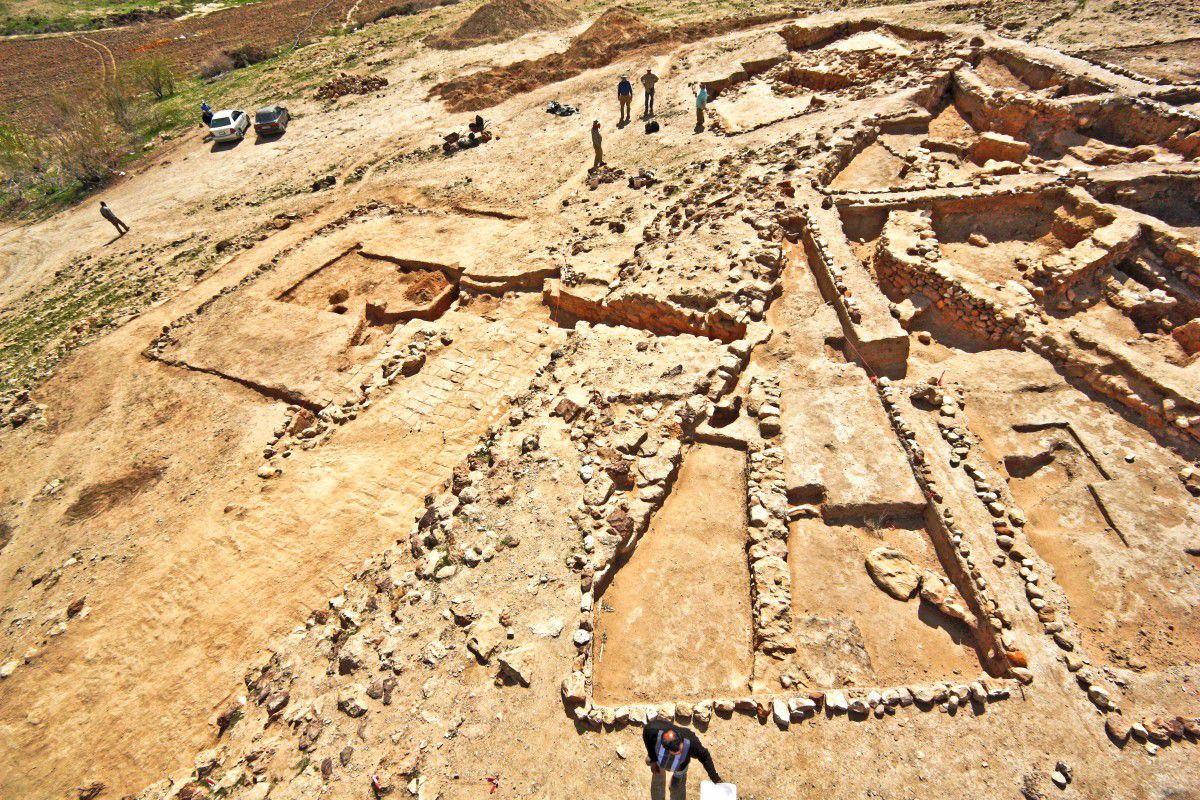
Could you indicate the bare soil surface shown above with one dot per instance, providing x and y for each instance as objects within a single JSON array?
[{"x": 684, "y": 595}]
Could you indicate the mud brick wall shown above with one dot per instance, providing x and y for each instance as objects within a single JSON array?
[{"x": 637, "y": 311}]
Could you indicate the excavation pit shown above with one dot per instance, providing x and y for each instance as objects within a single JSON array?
[
  {"x": 1002, "y": 69},
  {"x": 850, "y": 632},
  {"x": 380, "y": 290},
  {"x": 675, "y": 623},
  {"x": 1174, "y": 200},
  {"x": 992, "y": 236},
  {"x": 309, "y": 334}
]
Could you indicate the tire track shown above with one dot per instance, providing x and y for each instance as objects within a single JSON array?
[
  {"x": 103, "y": 47},
  {"x": 90, "y": 45}
]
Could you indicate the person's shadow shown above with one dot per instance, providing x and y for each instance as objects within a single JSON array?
[{"x": 658, "y": 787}]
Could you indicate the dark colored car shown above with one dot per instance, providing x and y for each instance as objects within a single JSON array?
[{"x": 271, "y": 120}]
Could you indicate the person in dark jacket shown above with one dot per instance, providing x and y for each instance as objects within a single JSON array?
[
  {"x": 670, "y": 748},
  {"x": 111, "y": 216}
]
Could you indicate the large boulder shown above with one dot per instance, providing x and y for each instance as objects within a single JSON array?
[{"x": 894, "y": 573}]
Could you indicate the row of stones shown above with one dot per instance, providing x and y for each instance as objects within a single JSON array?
[
  {"x": 859, "y": 703},
  {"x": 612, "y": 525},
  {"x": 833, "y": 267},
  {"x": 980, "y": 189},
  {"x": 996, "y": 622},
  {"x": 767, "y": 547},
  {"x": 1172, "y": 417},
  {"x": 1008, "y": 523},
  {"x": 306, "y": 430}
]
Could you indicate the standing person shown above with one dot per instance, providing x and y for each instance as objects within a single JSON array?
[
  {"x": 206, "y": 113},
  {"x": 108, "y": 214},
  {"x": 648, "y": 81},
  {"x": 670, "y": 748},
  {"x": 597, "y": 145},
  {"x": 625, "y": 97},
  {"x": 701, "y": 104}
]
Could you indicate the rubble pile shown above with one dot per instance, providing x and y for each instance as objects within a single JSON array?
[{"x": 346, "y": 83}]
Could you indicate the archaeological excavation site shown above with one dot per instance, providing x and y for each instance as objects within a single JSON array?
[{"x": 855, "y": 429}]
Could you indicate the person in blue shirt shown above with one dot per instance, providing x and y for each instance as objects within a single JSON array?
[
  {"x": 625, "y": 97},
  {"x": 206, "y": 112}
]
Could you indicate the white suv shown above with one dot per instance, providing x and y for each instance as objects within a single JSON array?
[{"x": 229, "y": 125}]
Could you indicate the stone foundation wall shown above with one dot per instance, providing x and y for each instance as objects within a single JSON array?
[{"x": 921, "y": 271}]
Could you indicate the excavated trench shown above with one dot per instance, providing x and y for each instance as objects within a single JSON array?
[
  {"x": 683, "y": 596},
  {"x": 848, "y": 631}
]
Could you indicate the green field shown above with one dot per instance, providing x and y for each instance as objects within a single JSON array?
[{"x": 50, "y": 16}]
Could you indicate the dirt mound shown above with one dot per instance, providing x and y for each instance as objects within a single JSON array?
[
  {"x": 614, "y": 33},
  {"x": 614, "y": 28},
  {"x": 500, "y": 20}
]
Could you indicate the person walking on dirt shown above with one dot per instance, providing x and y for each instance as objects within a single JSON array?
[
  {"x": 670, "y": 748},
  {"x": 648, "y": 81},
  {"x": 701, "y": 104},
  {"x": 108, "y": 214},
  {"x": 597, "y": 145},
  {"x": 625, "y": 97}
]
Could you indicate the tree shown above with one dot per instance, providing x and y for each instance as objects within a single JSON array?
[{"x": 154, "y": 75}]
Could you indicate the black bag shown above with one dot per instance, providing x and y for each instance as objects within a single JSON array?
[{"x": 652, "y": 126}]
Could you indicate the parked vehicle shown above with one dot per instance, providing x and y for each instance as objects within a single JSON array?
[
  {"x": 229, "y": 125},
  {"x": 271, "y": 120}
]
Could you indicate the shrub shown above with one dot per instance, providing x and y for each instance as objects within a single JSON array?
[
  {"x": 154, "y": 75},
  {"x": 70, "y": 148},
  {"x": 248, "y": 54},
  {"x": 215, "y": 65},
  {"x": 232, "y": 58}
]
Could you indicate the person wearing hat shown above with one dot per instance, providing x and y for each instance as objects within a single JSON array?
[
  {"x": 597, "y": 145},
  {"x": 648, "y": 82},
  {"x": 625, "y": 97},
  {"x": 670, "y": 748}
]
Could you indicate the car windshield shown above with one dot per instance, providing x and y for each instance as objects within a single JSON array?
[
  {"x": 222, "y": 121},
  {"x": 267, "y": 115}
]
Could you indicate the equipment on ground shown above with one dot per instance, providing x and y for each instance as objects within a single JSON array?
[
  {"x": 717, "y": 791},
  {"x": 561, "y": 109}
]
